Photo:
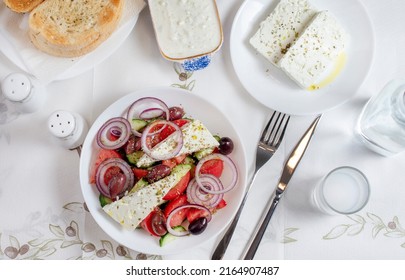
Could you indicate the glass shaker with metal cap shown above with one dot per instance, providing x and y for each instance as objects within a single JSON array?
[{"x": 381, "y": 125}]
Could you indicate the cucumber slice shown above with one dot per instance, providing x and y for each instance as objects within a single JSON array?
[
  {"x": 168, "y": 237},
  {"x": 135, "y": 156},
  {"x": 138, "y": 124},
  {"x": 189, "y": 160},
  {"x": 204, "y": 152},
  {"x": 139, "y": 185},
  {"x": 104, "y": 200}
]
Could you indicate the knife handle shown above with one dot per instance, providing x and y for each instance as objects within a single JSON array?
[{"x": 257, "y": 236}]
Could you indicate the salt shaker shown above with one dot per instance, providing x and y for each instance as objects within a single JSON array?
[
  {"x": 381, "y": 125},
  {"x": 68, "y": 128},
  {"x": 25, "y": 92}
]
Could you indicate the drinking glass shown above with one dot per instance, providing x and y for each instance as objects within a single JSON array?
[
  {"x": 344, "y": 190},
  {"x": 381, "y": 125}
]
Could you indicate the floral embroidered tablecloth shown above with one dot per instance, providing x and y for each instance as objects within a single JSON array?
[{"x": 44, "y": 216}]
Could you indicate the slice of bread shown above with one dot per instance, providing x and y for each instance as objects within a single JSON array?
[
  {"x": 22, "y": 6},
  {"x": 71, "y": 28}
]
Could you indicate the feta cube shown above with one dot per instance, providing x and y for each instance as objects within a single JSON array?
[
  {"x": 131, "y": 209},
  {"x": 281, "y": 28},
  {"x": 315, "y": 51}
]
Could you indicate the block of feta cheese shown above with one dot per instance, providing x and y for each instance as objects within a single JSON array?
[
  {"x": 131, "y": 209},
  {"x": 196, "y": 137},
  {"x": 281, "y": 28},
  {"x": 315, "y": 51}
]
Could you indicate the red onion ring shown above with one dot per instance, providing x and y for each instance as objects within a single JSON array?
[
  {"x": 115, "y": 131},
  {"x": 104, "y": 188},
  {"x": 115, "y": 124},
  {"x": 225, "y": 159},
  {"x": 142, "y": 104},
  {"x": 151, "y": 113},
  {"x": 169, "y": 154},
  {"x": 175, "y": 210},
  {"x": 197, "y": 195}
]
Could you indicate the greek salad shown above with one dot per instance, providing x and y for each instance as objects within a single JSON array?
[{"x": 161, "y": 171}]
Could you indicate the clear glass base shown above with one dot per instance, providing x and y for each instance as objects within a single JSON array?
[{"x": 373, "y": 145}]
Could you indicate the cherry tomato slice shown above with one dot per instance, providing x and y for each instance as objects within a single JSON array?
[
  {"x": 101, "y": 156},
  {"x": 179, "y": 188},
  {"x": 179, "y": 217},
  {"x": 213, "y": 167}
]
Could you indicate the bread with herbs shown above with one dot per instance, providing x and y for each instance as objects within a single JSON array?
[
  {"x": 22, "y": 6},
  {"x": 75, "y": 27}
]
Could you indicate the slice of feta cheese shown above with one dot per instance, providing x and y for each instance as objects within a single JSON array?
[
  {"x": 196, "y": 137},
  {"x": 281, "y": 28},
  {"x": 131, "y": 209},
  {"x": 315, "y": 51}
]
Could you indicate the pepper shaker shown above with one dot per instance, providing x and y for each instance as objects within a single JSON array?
[
  {"x": 25, "y": 92},
  {"x": 68, "y": 128}
]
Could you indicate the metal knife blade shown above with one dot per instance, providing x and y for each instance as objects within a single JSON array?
[
  {"x": 289, "y": 167},
  {"x": 296, "y": 155}
]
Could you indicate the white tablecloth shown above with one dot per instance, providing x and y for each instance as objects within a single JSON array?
[{"x": 42, "y": 208}]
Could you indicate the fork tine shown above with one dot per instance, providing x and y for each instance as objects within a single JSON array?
[
  {"x": 282, "y": 126},
  {"x": 273, "y": 133},
  {"x": 266, "y": 129}
]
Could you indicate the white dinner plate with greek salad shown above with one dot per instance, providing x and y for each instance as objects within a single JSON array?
[
  {"x": 196, "y": 108},
  {"x": 271, "y": 87}
]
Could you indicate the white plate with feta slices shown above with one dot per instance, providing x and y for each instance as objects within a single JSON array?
[
  {"x": 195, "y": 107},
  {"x": 272, "y": 87}
]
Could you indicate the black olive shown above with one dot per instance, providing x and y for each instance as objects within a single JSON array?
[{"x": 198, "y": 226}]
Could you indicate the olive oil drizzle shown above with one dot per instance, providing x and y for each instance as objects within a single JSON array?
[{"x": 339, "y": 64}]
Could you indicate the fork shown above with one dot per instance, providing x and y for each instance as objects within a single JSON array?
[{"x": 270, "y": 140}]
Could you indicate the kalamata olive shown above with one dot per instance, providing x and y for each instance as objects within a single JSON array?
[
  {"x": 133, "y": 145},
  {"x": 198, "y": 225},
  {"x": 157, "y": 172},
  {"x": 158, "y": 222},
  {"x": 175, "y": 113},
  {"x": 116, "y": 185},
  {"x": 225, "y": 145}
]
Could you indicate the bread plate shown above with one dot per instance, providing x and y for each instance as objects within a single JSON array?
[{"x": 17, "y": 47}]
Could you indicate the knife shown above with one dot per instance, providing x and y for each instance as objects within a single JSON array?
[{"x": 288, "y": 170}]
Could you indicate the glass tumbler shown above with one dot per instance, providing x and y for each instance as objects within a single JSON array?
[
  {"x": 381, "y": 125},
  {"x": 344, "y": 190}
]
